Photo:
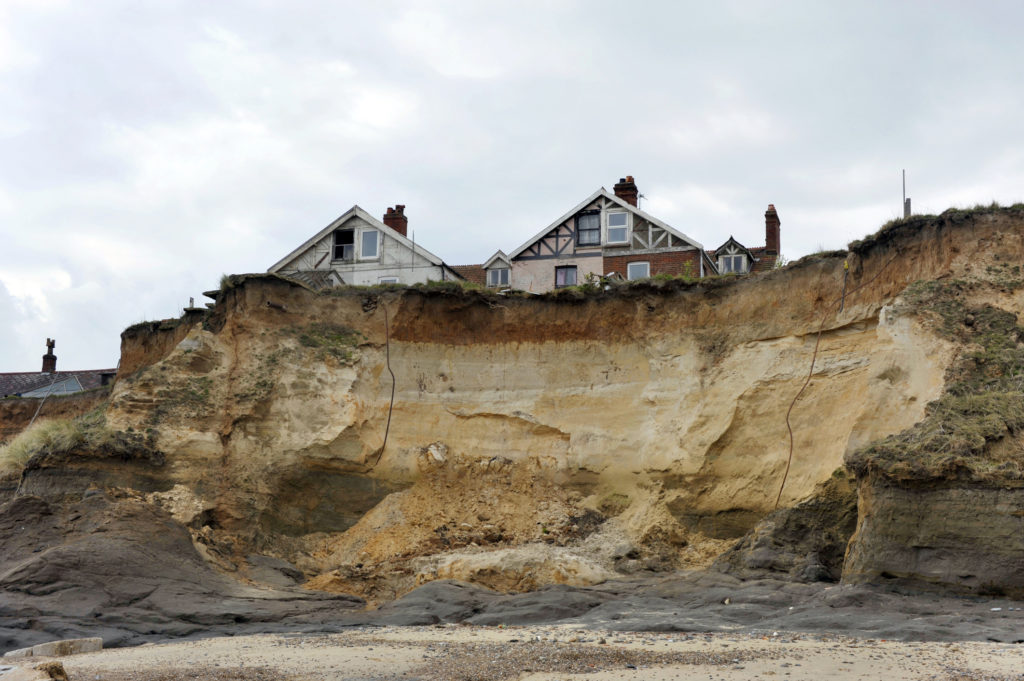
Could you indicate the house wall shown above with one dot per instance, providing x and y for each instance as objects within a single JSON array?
[
  {"x": 396, "y": 260},
  {"x": 538, "y": 275},
  {"x": 662, "y": 262}
]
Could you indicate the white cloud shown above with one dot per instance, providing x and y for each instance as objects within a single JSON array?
[
  {"x": 30, "y": 288},
  {"x": 727, "y": 128}
]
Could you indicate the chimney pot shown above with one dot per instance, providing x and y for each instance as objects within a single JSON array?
[
  {"x": 50, "y": 359},
  {"x": 396, "y": 220},
  {"x": 772, "y": 238},
  {"x": 626, "y": 190}
]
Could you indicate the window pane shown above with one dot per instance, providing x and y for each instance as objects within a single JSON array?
[
  {"x": 565, "y": 276},
  {"x": 369, "y": 244},
  {"x": 638, "y": 270},
  {"x": 497, "y": 277},
  {"x": 616, "y": 219},
  {"x": 343, "y": 244},
  {"x": 617, "y": 235},
  {"x": 588, "y": 228}
]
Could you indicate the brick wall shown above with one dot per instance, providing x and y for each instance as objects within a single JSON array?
[{"x": 667, "y": 262}]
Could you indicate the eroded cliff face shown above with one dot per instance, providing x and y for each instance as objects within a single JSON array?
[
  {"x": 639, "y": 428},
  {"x": 536, "y": 440}
]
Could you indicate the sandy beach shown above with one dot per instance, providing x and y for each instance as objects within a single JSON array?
[{"x": 547, "y": 653}]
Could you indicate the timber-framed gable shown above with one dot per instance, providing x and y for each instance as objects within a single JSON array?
[{"x": 606, "y": 234}]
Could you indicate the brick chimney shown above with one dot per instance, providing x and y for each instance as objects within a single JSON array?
[
  {"x": 49, "y": 359},
  {"x": 771, "y": 230},
  {"x": 396, "y": 220},
  {"x": 626, "y": 190}
]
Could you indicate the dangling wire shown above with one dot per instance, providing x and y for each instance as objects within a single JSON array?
[
  {"x": 391, "y": 407},
  {"x": 814, "y": 357}
]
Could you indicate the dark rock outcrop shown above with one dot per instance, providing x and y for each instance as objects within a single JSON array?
[{"x": 805, "y": 543}]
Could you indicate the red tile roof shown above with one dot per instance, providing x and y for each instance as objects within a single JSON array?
[{"x": 473, "y": 273}]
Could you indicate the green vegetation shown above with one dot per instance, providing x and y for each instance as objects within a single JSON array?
[
  {"x": 58, "y": 436},
  {"x": 332, "y": 340},
  {"x": 968, "y": 432},
  {"x": 951, "y": 215},
  {"x": 193, "y": 396}
]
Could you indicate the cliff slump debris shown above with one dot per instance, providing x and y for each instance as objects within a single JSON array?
[
  {"x": 533, "y": 440},
  {"x": 655, "y": 412},
  {"x": 942, "y": 503}
]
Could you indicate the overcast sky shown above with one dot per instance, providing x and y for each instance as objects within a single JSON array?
[{"x": 146, "y": 148}]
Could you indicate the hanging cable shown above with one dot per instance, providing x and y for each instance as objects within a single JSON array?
[
  {"x": 391, "y": 407},
  {"x": 814, "y": 357}
]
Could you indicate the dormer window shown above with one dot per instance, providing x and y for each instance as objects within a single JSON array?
[
  {"x": 497, "y": 277},
  {"x": 732, "y": 264},
  {"x": 588, "y": 228}
]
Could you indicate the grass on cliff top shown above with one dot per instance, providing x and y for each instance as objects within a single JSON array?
[
  {"x": 899, "y": 226},
  {"x": 54, "y": 436},
  {"x": 970, "y": 432}
]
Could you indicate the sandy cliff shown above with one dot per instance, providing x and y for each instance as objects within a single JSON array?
[
  {"x": 576, "y": 436},
  {"x": 658, "y": 410}
]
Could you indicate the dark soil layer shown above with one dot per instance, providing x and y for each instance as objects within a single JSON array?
[{"x": 124, "y": 571}]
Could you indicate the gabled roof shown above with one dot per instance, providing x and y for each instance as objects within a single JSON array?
[
  {"x": 499, "y": 255},
  {"x": 602, "y": 192},
  {"x": 737, "y": 244},
  {"x": 356, "y": 211},
  {"x": 24, "y": 382}
]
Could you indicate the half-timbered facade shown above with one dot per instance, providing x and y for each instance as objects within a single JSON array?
[
  {"x": 359, "y": 249},
  {"x": 604, "y": 234}
]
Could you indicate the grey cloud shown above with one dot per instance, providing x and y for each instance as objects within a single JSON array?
[{"x": 147, "y": 149}]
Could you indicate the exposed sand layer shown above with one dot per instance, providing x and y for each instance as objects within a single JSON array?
[{"x": 450, "y": 652}]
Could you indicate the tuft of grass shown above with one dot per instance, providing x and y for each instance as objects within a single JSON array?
[
  {"x": 449, "y": 286},
  {"x": 56, "y": 436},
  {"x": 983, "y": 403}
]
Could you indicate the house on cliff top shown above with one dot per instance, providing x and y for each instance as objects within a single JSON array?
[
  {"x": 732, "y": 257},
  {"x": 49, "y": 381},
  {"x": 604, "y": 234},
  {"x": 359, "y": 249}
]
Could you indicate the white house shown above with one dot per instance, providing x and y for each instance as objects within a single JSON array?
[{"x": 359, "y": 249}]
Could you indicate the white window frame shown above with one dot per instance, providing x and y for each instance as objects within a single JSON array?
[
  {"x": 609, "y": 228},
  {"x": 376, "y": 244},
  {"x": 387, "y": 280},
  {"x": 731, "y": 258},
  {"x": 629, "y": 270},
  {"x": 495, "y": 280}
]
